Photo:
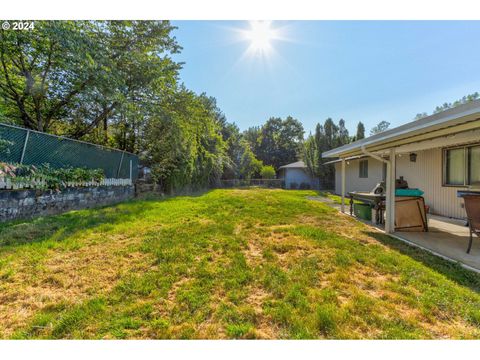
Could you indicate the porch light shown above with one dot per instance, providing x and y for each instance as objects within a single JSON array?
[{"x": 413, "y": 157}]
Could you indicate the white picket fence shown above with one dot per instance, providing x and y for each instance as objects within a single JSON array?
[{"x": 6, "y": 183}]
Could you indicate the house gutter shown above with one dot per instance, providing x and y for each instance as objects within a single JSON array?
[{"x": 416, "y": 127}]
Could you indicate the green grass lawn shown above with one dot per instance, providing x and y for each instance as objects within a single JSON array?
[{"x": 225, "y": 264}]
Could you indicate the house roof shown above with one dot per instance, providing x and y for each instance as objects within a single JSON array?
[
  {"x": 295, "y": 165},
  {"x": 467, "y": 115}
]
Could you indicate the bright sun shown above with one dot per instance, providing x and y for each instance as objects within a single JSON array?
[{"x": 260, "y": 35}]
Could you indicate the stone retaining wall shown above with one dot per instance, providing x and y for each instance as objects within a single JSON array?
[{"x": 22, "y": 204}]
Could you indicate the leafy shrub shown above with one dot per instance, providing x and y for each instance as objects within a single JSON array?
[
  {"x": 304, "y": 186},
  {"x": 267, "y": 172},
  {"x": 4, "y": 146},
  {"x": 293, "y": 186},
  {"x": 54, "y": 178}
]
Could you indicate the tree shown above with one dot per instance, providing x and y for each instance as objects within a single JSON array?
[
  {"x": 241, "y": 161},
  {"x": 311, "y": 155},
  {"x": 249, "y": 164},
  {"x": 465, "y": 99},
  {"x": 279, "y": 141},
  {"x": 420, "y": 116},
  {"x": 38, "y": 82},
  {"x": 267, "y": 172},
  {"x": 360, "y": 131},
  {"x": 234, "y": 150},
  {"x": 252, "y": 135},
  {"x": 326, "y": 137},
  {"x": 114, "y": 83},
  {"x": 183, "y": 143},
  {"x": 445, "y": 106},
  {"x": 73, "y": 78},
  {"x": 380, "y": 127},
  {"x": 343, "y": 137}
]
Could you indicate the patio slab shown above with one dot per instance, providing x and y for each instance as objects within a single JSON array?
[{"x": 448, "y": 238}]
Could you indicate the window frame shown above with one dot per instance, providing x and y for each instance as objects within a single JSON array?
[
  {"x": 466, "y": 168},
  {"x": 365, "y": 168}
]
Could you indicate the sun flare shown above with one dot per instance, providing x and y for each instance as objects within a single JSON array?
[{"x": 260, "y": 35}]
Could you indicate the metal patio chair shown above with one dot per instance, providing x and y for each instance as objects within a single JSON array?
[{"x": 472, "y": 207}]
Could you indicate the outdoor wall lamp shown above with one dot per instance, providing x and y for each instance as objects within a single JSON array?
[{"x": 413, "y": 157}]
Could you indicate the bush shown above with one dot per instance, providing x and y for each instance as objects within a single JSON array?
[
  {"x": 293, "y": 186},
  {"x": 304, "y": 186},
  {"x": 54, "y": 178},
  {"x": 267, "y": 172}
]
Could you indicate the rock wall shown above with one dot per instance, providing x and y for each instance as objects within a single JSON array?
[{"x": 23, "y": 204}]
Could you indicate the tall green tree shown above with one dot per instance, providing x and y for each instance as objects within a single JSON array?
[
  {"x": 326, "y": 137},
  {"x": 360, "y": 131},
  {"x": 183, "y": 143},
  {"x": 380, "y": 127},
  {"x": 250, "y": 166},
  {"x": 311, "y": 155},
  {"x": 75, "y": 77},
  {"x": 43, "y": 71},
  {"x": 343, "y": 137},
  {"x": 280, "y": 141},
  {"x": 253, "y": 135},
  {"x": 445, "y": 106},
  {"x": 241, "y": 161}
]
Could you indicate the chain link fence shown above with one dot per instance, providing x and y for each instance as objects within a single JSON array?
[
  {"x": 19, "y": 145},
  {"x": 268, "y": 183}
]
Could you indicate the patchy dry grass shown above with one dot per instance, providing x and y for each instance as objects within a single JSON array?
[{"x": 225, "y": 264}]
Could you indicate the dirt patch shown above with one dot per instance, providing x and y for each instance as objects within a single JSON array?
[
  {"x": 342, "y": 225},
  {"x": 264, "y": 327},
  {"x": 253, "y": 253},
  {"x": 68, "y": 277}
]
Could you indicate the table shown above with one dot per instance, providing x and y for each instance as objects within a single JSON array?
[
  {"x": 375, "y": 201},
  {"x": 462, "y": 193}
]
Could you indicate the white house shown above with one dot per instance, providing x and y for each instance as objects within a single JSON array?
[
  {"x": 297, "y": 175},
  {"x": 361, "y": 174},
  {"x": 445, "y": 158}
]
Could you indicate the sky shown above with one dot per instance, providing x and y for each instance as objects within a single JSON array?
[{"x": 365, "y": 71}]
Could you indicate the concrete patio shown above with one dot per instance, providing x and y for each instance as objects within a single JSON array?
[{"x": 447, "y": 238}]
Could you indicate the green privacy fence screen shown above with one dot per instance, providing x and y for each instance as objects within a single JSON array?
[{"x": 19, "y": 145}]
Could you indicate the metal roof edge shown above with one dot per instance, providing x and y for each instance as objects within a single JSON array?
[{"x": 423, "y": 123}]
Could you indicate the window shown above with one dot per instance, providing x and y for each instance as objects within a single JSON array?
[
  {"x": 474, "y": 165},
  {"x": 462, "y": 166},
  {"x": 363, "y": 167},
  {"x": 455, "y": 167}
]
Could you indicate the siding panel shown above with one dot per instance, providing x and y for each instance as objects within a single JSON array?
[
  {"x": 426, "y": 174},
  {"x": 352, "y": 181}
]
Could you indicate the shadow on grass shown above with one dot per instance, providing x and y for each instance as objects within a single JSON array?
[
  {"x": 62, "y": 226},
  {"x": 453, "y": 271}
]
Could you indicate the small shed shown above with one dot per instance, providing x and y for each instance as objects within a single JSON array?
[{"x": 297, "y": 176}]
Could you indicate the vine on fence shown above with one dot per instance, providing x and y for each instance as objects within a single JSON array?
[{"x": 47, "y": 177}]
